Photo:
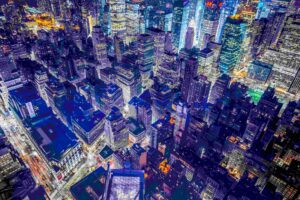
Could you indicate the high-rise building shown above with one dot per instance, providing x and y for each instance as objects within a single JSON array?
[
  {"x": 146, "y": 58},
  {"x": 100, "y": 48},
  {"x": 117, "y": 17},
  {"x": 119, "y": 46},
  {"x": 139, "y": 156},
  {"x": 9, "y": 162},
  {"x": 159, "y": 44},
  {"x": 116, "y": 130},
  {"x": 189, "y": 68},
  {"x": 132, "y": 21},
  {"x": 40, "y": 79},
  {"x": 199, "y": 90},
  {"x": 10, "y": 76},
  {"x": 168, "y": 72},
  {"x": 219, "y": 88},
  {"x": 161, "y": 96},
  {"x": 141, "y": 110},
  {"x": 168, "y": 42},
  {"x": 89, "y": 126},
  {"x": 189, "y": 38},
  {"x": 206, "y": 59},
  {"x": 181, "y": 114},
  {"x": 209, "y": 22},
  {"x": 285, "y": 60},
  {"x": 229, "y": 8},
  {"x": 198, "y": 20},
  {"x": 232, "y": 43},
  {"x": 179, "y": 23},
  {"x": 129, "y": 80}
]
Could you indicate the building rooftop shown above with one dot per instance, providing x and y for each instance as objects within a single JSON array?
[
  {"x": 135, "y": 127},
  {"x": 90, "y": 187},
  {"x": 87, "y": 123},
  {"x": 53, "y": 137},
  {"x": 106, "y": 152},
  {"x": 24, "y": 94},
  {"x": 126, "y": 184},
  {"x": 115, "y": 114},
  {"x": 137, "y": 148},
  {"x": 136, "y": 101}
]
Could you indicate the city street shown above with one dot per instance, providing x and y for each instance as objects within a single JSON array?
[{"x": 18, "y": 138}]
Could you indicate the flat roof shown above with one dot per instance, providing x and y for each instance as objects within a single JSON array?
[
  {"x": 24, "y": 94},
  {"x": 136, "y": 101},
  {"x": 92, "y": 183},
  {"x": 53, "y": 137},
  {"x": 134, "y": 126},
  {"x": 126, "y": 184},
  {"x": 115, "y": 114},
  {"x": 87, "y": 123},
  {"x": 106, "y": 152},
  {"x": 138, "y": 148}
]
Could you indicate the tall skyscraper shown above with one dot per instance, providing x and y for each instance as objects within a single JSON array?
[
  {"x": 119, "y": 46},
  {"x": 129, "y": 79},
  {"x": 132, "y": 21},
  {"x": 210, "y": 21},
  {"x": 199, "y": 90},
  {"x": 181, "y": 115},
  {"x": 141, "y": 110},
  {"x": 159, "y": 44},
  {"x": 116, "y": 129},
  {"x": 285, "y": 72},
  {"x": 100, "y": 48},
  {"x": 229, "y": 8},
  {"x": 232, "y": 43},
  {"x": 219, "y": 88},
  {"x": 189, "y": 68},
  {"x": 117, "y": 17},
  {"x": 189, "y": 38},
  {"x": 146, "y": 58},
  {"x": 40, "y": 79},
  {"x": 179, "y": 23}
]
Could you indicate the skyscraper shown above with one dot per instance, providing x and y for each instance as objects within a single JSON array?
[
  {"x": 210, "y": 22},
  {"x": 116, "y": 129},
  {"x": 146, "y": 58},
  {"x": 100, "y": 48},
  {"x": 179, "y": 23},
  {"x": 40, "y": 79},
  {"x": 285, "y": 72},
  {"x": 219, "y": 88},
  {"x": 117, "y": 17},
  {"x": 232, "y": 41},
  {"x": 228, "y": 8},
  {"x": 189, "y": 68},
  {"x": 189, "y": 38},
  {"x": 132, "y": 21},
  {"x": 159, "y": 45},
  {"x": 141, "y": 110},
  {"x": 199, "y": 90},
  {"x": 181, "y": 115}
]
